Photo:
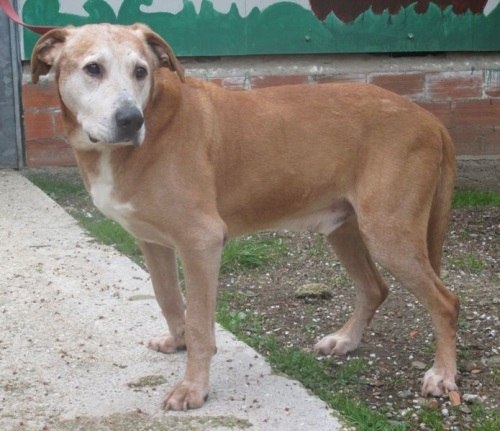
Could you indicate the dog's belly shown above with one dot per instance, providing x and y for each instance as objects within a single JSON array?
[{"x": 323, "y": 221}]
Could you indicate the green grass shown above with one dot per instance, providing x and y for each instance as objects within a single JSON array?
[
  {"x": 252, "y": 252},
  {"x": 335, "y": 384},
  {"x": 110, "y": 233},
  {"x": 467, "y": 262},
  {"x": 431, "y": 418},
  {"x": 244, "y": 324},
  {"x": 339, "y": 385},
  {"x": 475, "y": 198},
  {"x": 484, "y": 419},
  {"x": 58, "y": 189}
]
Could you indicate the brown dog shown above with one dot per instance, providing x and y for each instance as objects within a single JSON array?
[{"x": 183, "y": 165}]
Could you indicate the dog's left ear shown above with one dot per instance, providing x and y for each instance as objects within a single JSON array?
[{"x": 161, "y": 49}]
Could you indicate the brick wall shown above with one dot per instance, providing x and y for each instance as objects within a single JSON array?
[
  {"x": 44, "y": 140},
  {"x": 462, "y": 90}
]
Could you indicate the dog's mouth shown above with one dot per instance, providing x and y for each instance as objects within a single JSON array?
[
  {"x": 125, "y": 128},
  {"x": 135, "y": 141}
]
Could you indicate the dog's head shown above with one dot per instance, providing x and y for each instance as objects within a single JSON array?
[{"x": 104, "y": 75}]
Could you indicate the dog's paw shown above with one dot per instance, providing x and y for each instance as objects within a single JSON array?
[
  {"x": 437, "y": 383},
  {"x": 166, "y": 343},
  {"x": 336, "y": 344},
  {"x": 184, "y": 396}
]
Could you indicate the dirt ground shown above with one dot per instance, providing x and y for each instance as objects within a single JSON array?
[{"x": 399, "y": 345}]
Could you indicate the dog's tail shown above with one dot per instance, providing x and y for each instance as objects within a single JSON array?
[{"x": 441, "y": 204}]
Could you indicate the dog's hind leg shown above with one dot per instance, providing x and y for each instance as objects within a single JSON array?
[
  {"x": 403, "y": 223},
  {"x": 371, "y": 290},
  {"x": 441, "y": 205},
  {"x": 162, "y": 267},
  {"x": 400, "y": 245}
]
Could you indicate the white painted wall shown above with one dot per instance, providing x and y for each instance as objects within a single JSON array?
[
  {"x": 174, "y": 6},
  {"x": 490, "y": 6}
]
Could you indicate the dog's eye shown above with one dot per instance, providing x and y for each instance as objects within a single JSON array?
[
  {"x": 93, "y": 69},
  {"x": 140, "y": 72}
]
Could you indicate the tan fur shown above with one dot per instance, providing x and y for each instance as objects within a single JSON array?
[{"x": 365, "y": 166}]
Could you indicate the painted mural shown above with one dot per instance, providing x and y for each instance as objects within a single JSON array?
[{"x": 243, "y": 27}]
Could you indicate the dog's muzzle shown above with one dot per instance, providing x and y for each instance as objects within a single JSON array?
[{"x": 129, "y": 120}]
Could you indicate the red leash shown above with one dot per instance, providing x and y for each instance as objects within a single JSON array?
[{"x": 6, "y": 6}]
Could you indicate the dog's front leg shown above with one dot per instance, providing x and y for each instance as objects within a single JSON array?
[
  {"x": 161, "y": 264},
  {"x": 201, "y": 262}
]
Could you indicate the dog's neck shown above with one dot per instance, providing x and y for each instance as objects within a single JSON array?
[
  {"x": 91, "y": 162},
  {"x": 88, "y": 162},
  {"x": 98, "y": 169}
]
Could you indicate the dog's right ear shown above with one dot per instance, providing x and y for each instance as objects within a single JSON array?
[{"x": 47, "y": 51}]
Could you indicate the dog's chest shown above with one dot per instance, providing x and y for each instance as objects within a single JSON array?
[{"x": 103, "y": 193}]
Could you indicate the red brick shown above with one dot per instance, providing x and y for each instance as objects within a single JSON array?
[
  {"x": 492, "y": 83},
  {"x": 40, "y": 96},
  {"x": 483, "y": 113},
  {"x": 475, "y": 126},
  {"x": 476, "y": 141},
  {"x": 59, "y": 130},
  {"x": 471, "y": 135},
  {"x": 467, "y": 140},
  {"x": 493, "y": 91},
  {"x": 231, "y": 83},
  {"x": 345, "y": 77},
  {"x": 440, "y": 110},
  {"x": 490, "y": 143},
  {"x": 38, "y": 125},
  {"x": 406, "y": 84},
  {"x": 276, "y": 80},
  {"x": 454, "y": 85},
  {"x": 49, "y": 152}
]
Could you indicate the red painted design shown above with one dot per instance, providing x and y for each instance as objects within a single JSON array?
[{"x": 348, "y": 11}]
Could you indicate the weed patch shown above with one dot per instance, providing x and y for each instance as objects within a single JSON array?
[
  {"x": 475, "y": 198},
  {"x": 252, "y": 252}
]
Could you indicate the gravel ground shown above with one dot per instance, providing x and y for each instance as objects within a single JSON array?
[{"x": 399, "y": 345}]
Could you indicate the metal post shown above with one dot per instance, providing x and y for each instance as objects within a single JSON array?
[{"x": 11, "y": 139}]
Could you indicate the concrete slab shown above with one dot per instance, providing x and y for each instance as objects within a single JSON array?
[{"x": 74, "y": 316}]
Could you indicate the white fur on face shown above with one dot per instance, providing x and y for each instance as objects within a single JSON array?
[{"x": 94, "y": 100}]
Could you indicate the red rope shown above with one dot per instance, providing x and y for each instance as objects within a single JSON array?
[{"x": 6, "y": 6}]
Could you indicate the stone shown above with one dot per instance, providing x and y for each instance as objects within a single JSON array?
[
  {"x": 313, "y": 290},
  {"x": 145, "y": 381},
  {"x": 405, "y": 394},
  {"x": 454, "y": 397},
  {"x": 493, "y": 362},
  {"x": 419, "y": 365},
  {"x": 470, "y": 365},
  {"x": 470, "y": 398},
  {"x": 465, "y": 409},
  {"x": 433, "y": 404}
]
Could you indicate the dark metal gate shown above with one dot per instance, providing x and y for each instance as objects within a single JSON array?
[{"x": 11, "y": 154}]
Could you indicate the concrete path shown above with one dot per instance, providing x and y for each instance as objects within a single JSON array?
[{"x": 74, "y": 318}]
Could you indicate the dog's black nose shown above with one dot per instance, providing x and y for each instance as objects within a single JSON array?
[{"x": 129, "y": 120}]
